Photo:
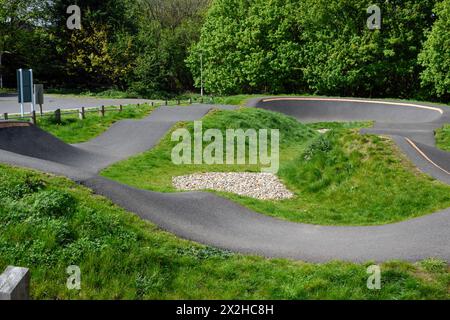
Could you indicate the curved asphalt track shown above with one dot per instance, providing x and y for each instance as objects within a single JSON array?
[{"x": 212, "y": 220}]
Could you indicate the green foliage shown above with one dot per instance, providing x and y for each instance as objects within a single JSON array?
[
  {"x": 435, "y": 57},
  {"x": 248, "y": 46},
  {"x": 93, "y": 54},
  {"x": 155, "y": 47},
  {"x": 17, "y": 18},
  {"x": 318, "y": 46},
  {"x": 123, "y": 44},
  {"x": 166, "y": 31},
  {"x": 123, "y": 257},
  {"x": 99, "y": 55}
]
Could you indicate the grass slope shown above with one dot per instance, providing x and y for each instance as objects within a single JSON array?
[
  {"x": 340, "y": 178},
  {"x": 74, "y": 130},
  {"x": 443, "y": 137},
  {"x": 48, "y": 223}
]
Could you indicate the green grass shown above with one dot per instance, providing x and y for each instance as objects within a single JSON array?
[
  {"x": 48, "y": 223},
  {"x": 74, "y": 130},
  {"x": 340, "y": 178},
  {"x": 105, "y": 93},
  {"x": 443, "y": 137},
  {"x": 237, "y": 100},
  {"x": 8, "y": 90}
]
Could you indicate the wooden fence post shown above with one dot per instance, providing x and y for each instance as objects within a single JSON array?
[
  {"x": 81, "y": 114},
  {"x": 178, "y": 102},
  {"x": 5, "y": 116},
  {"x": 33, "y": 117},
  {"x": 58, "y": 115},
  {"x": 166, "y": 102},
  {"x": 102, "y": 111},
  {"x": 153, "y": 104},
  {"x": 120, "y": 108}
]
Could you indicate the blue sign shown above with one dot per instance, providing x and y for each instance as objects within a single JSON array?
[{"x": 25, "y": 85}]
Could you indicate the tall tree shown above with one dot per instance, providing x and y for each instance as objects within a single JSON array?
[
  {"x": 166, "y": 31},
  {"x": 22, "y": 24},
  {"x": 342, "y": 56},
  {"x": 100, "y": 54},
  {"x": 321, "y": 46},
  {"x": 435, "y": 57}
]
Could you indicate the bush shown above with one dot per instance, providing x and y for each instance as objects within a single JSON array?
[
  {"x": 318, "y": 46},
  {"x": 435, "y": 56},
  {"x": 322, "y": 144}
]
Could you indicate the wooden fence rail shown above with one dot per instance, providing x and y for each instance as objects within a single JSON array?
[{"x": 102, "y": 111}]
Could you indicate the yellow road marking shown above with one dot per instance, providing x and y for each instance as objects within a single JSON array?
[{"x": 425, "y": 156}]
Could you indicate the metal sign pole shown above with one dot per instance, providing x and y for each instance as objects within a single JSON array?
[
  {"x": 1, "y": 72},
  {"x": 21, "y": 91},
  {"x": 32, "y": 91},
  {"x": 201, "y": 74}
]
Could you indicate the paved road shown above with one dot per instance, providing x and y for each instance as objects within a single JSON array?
[
  {"x": 9, "y": 104},
  {"x": 213, "y": 220}
]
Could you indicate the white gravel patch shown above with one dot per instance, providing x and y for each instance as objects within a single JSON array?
[
  {"x": 264, "y": 186},
  {"x": 323, "y": 131}
]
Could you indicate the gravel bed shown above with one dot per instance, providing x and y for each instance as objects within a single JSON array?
[{"x": 263, "y": 186}]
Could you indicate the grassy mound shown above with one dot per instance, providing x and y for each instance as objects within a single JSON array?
[
  {"x": 49, "y": 223},
  {"x": 339, "y": 178},
  {"x": 154, "y": 169},
  {"x": 348, "y": 178}
]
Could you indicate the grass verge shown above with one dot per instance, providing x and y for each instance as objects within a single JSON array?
[
  {"x": 105, "y": 94},
  {"x": 339, "y": 178},
  {"x": 73, "y": 130},
  {"x": 48, "y": 223},
  {"x": 443, "y": 137}
]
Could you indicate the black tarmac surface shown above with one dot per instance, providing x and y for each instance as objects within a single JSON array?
[{"x": 212, "y": 220}]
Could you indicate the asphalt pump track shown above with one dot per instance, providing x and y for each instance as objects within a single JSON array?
[{"x": 212, "y": 220}]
